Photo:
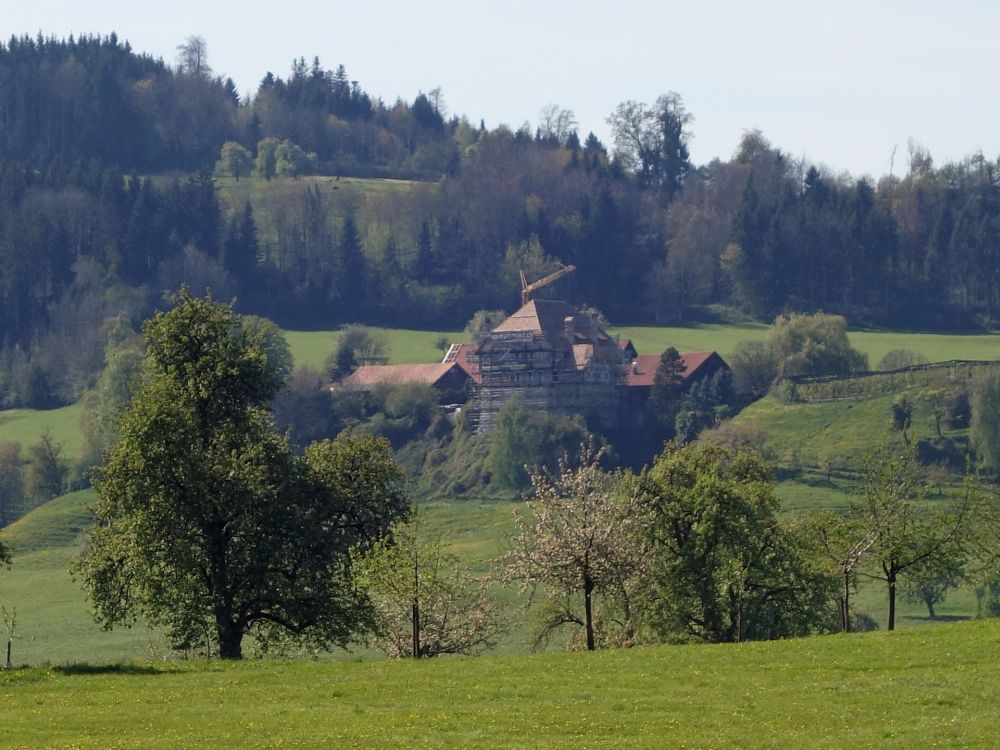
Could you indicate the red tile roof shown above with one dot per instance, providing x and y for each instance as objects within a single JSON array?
[
  {"x": 368, "y": 376},
  {"x": 460, "y": 354},
  {"x": 641, "y": 370}
]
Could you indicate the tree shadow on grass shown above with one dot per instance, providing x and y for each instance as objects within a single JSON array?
[
  {"x": 115, "y": 669},
  {"x": 939, "y": 618}
]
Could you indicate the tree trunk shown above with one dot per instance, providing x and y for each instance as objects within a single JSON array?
[
  {"x": 846, "y": 614},
  {"x": 230, "y": 638},
  {"x": 588, "y": 589},
  {"x": 892, "y": 603},
  {"x": 416, "y": 629}
]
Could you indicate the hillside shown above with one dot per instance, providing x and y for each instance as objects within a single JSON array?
[
  {"x": 829, "y": 424},
  {"x": 920, "y": 688}
]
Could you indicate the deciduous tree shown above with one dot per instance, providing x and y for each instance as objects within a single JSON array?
[
  {"x": 426, "y": 603},
  {"x": 208, "y": 523},
  {"x": 985, "y": 422},
  {"x": 235, "y": 160},
  {"x": 47, "y": 471},
  {"x": 583, "y": 538},
  {"x": 909, "y": 536},
  {"x": 813, "y": 345},
  {"x": 723, "y": 567}
]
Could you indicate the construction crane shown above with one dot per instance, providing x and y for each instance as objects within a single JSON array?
[{"x": 527, "y": 289}]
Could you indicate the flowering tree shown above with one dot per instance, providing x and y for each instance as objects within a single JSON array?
[{"x": 583, "y": 537}]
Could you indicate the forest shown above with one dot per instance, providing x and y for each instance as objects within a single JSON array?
[{"x": 123, "y": 177}]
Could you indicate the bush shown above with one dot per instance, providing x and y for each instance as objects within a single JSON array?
[{"x": 753, "y": 368}]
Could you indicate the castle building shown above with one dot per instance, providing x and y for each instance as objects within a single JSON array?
[
  {"x": 554, "y": 359},
  {"x": 551, "y": 357}
]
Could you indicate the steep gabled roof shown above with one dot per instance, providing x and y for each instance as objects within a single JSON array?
[
  {"x": 367, "y": 377},
  {"x": 548, "y": 318},
  {"x": 539, "y": 315},
  {"x": 641, "y": 370},
  {"x": 462, "y": 355}
]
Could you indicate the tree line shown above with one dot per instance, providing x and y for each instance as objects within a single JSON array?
[{"x": 87, "y": 222}]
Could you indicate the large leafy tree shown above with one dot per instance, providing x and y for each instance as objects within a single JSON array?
[
  {"x": 724, "y": 569},
  {"x": 813, "y": 345},
  {"x": 208, "y": 523}
]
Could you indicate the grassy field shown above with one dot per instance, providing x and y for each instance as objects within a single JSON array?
[
  {"x": 53, "y": 621},
  {"x": 273, "y": 200},
  {"x": 404, "y": 346},
  {"x": 54, "y": 624},
  {"x": 311, "y": 348},
  {"x": 24, "y": 426},
  {"x": 937, "y": 347},
  {"x": 838, "y": 432},
  {"x": 929, "y": 687}
]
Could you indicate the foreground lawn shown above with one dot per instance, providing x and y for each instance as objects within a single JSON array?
[{"x": 935, "y": 687}]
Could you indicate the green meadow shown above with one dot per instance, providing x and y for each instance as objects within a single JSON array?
[
  {"x": 25, "y": 426},
  {"x": 925, "y": 687},
  {"x": 403, "y": 346},
  {"x": 311, "y": 348},
  {"x": 838, "y": 433},
  {"x": 937, "y": 347},
  {"x": 54, "y": 625}
]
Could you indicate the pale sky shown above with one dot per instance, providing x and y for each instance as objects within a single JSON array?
[{"x": 841, "y": 83}]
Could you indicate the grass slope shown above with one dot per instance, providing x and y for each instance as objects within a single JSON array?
[
  {"x": 923, "y": 688},
  {"x": 54, "y": 624},
  {"x": 273, "y": 200},
  {"x": 53, "y": 621},
  {"x": 24, "y": 426}
]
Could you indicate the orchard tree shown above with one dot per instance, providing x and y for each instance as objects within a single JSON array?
[
  {"x": 909, "y": 536},
  {"x": 47, "y": 471},
  {"x": 583, "y": 538},
  {"x": 208, "y": 523},
  {"x": 723, "y": 568},
  {"x": 843, "y": 543},
  {"x": 425, "y": 603},
  {"x": 930, "y": 584}
]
